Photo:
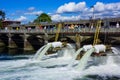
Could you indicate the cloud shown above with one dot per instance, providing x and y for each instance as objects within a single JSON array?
[
  {"x": 31, "y": 8},
  {"x": 72, "y": 7},
  {"x": 21, "y": 18},
  {"x": 112, "y": 6},
  {"x": 58, "y": 18},
  {"x": 100, "y": 10},
  {"x": 100, "y": 7},
  {"x": 74, "y": 11},
  {"x": 116, "y": 13},
  {"x": 34, "y": 13},
  {"x": 107, "y": 10}
]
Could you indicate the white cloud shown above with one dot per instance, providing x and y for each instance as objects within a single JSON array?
[
  {"x": 58, "y": 17},
  {"x": 21, "y": 18},
  {"x": 113, "y": 6},
  {"x": 73, "y": 11},
  {"x": 34, "y": 13},
  {"x": 107, "y": 10},
  {"x": 99, "y": 6},
  {"x": 116, "y": 13},
  {"x": 72, "y": 7},
  {"x": 81, "y": 10},
  {"x": 100, "y": 10},
  {"x": 31, "y": 8}
]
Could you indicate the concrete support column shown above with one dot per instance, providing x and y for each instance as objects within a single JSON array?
[
  {"x": 45, "y": 40},
  {"x": 27, "y": 45},
  {"x": 11, "y": 43},
  {"x": 78, "y": 41},
  {"x": 2, "y": 43},
  {"x": 45, "y": 37}
]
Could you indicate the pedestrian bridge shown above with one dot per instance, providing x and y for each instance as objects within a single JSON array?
[
  {"x": 81, "y": 31},
  {"x": 26, "y": 39}
]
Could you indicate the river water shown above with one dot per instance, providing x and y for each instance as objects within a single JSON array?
[{"x": 22, "y": 67}]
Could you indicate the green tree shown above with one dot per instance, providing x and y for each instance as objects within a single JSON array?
[
  {"x": 43, "y": 18},
  {"x": 2, "y": 17},
  {"x": 2, "y": 14},
  {"x": 0, "y": 23}
]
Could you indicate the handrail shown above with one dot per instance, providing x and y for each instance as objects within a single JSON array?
[{"x": 81, "y": 30}]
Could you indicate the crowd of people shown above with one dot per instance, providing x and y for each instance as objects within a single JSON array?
[{"x": 70, "y": 27}]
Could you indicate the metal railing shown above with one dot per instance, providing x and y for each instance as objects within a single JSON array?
[{"x": 80, "y": 30}]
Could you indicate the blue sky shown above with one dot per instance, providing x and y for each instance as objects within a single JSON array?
[{"x": 59, "y": 10}]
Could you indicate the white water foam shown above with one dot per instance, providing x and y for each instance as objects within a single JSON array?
[
  {"x": 115, "y": 50},
  {"x": 62, "y": 57},
  {"x": 73, "y": 60},
  {"x": 38, "y": 52},
  {"x": 32, "y": 70},
  {"x": 83, "y": 61},
  {"x": 109, "y": 69},
  {"x": 20, "y": 70}
]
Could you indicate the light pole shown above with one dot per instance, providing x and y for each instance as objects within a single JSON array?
[{"x": 92, "y": 18}]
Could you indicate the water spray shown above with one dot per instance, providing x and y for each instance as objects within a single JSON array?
[{"x": 89, "y": 50}]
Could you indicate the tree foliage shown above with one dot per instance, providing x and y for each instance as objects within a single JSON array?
[
  {"x": 0, "y": 23},
  {"x": 2, "y": 14},
  {"x": 2, "y": 17},
  {"x": 43, "y": 18}
]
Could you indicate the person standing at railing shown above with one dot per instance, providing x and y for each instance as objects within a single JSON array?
[
  {"x": 76, "y": 28},
  {"x": 6, "y": 28},
  {"x": 71, "y": 27},
  {"x": 79, "y": 28},
  {"x": 41, "y": 28},
  {"x": 44, "y": 28},
  {"x": 53, "y": 28},
  {"x": 117, "y": 26},
  {"x": 67, "y": 27},
  {"x": 17, "y": 28},
  {"x": 29, "y": 28}
]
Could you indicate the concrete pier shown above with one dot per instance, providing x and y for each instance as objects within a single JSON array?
[
  {"x": 11, "y": 43},
  {"x": 27, "y": 45},
  {"x": 2, "y": 43},
  {"x": 34, "y": 39},
  {"x": 78, "y": 41}
]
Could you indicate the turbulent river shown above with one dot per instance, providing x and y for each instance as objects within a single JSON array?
[{"x": 22, "y": 67}]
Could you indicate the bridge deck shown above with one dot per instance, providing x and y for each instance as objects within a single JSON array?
[{"x": 81, "y": 31}]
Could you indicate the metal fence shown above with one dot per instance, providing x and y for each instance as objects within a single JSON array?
[{"x": 82, "y": 30}]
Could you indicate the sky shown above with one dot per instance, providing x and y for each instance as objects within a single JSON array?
[{"x": 59, "y": 10}]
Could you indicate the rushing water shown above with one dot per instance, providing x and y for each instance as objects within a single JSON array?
[{"x": 22, "y": 67}]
